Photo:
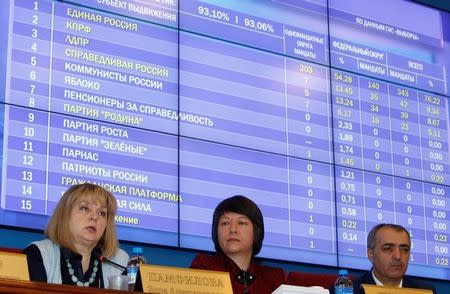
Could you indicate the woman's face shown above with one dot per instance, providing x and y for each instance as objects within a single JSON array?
[
  {"x": 235, "y": 233},
  {"x": 87, "y": 223}
]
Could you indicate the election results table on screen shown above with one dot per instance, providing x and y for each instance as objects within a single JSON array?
[
  {"x": 86, "y": 91},
  {"x": 102, "y": 76}
]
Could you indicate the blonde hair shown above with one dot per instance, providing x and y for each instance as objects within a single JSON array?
[{"x": 58, "y": 226}]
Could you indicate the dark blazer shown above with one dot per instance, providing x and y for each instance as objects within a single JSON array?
[
  {"x": 408, "y": 282},
  {"x": 266, "y": 279}
]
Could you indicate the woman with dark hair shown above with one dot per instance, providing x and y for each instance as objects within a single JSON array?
[
  {"x": 238, "y": 233},
  {"x": 81, "y": 230}
]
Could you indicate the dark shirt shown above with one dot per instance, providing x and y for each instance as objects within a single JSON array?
[
  {"x": 37, "y": 271},
  {"x": 408, "y": 282},
  {"x": 266, "y": 279}
]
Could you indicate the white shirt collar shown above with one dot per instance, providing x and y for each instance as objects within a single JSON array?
[{"x": 379, "y": 283}]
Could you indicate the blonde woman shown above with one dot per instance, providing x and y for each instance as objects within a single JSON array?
[{"x": 80, "y": 231}]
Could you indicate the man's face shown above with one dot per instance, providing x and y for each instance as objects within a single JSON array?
[{"x": 390, "y": 255}]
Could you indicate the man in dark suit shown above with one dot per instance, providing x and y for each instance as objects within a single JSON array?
[{"x": 388, "y": 248}]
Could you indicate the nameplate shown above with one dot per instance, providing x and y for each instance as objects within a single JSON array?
[
  {"x": 164, "y": 279},
  {"x": 373, "y": 289},
  {"x": 13, "y": 266}
]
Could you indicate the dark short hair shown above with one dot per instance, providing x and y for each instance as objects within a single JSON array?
[
  {"x": 242, "y": 205},
  {"x": 371, "y": 237}
]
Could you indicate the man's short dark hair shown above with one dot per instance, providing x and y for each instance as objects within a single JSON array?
[
  {"x": 371, "y": 237},
  {"x": 242, "y": 205}
]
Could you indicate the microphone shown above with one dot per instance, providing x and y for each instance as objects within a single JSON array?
[
  {"x": 104, "y": 259},
  {"x": 245, "y": 277}
]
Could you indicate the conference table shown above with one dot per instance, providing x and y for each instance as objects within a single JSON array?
[{"x": 18, "y": 287}]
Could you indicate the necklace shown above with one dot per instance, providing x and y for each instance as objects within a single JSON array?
[{"x": 75, "y": 279}]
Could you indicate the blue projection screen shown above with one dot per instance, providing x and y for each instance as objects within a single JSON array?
[{"x": 332, "y": 115}]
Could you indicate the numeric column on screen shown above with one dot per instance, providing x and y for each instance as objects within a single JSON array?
[
  {"x": 27, "y": 78},
  {"x": 434, "y": 134},
  {"x": 312, "y": 206},
  {"x": 25, "y": 177},
  {"x": 351, "y": 215},
  {"x": 308, "y": 111},
  {"x": 375, "y": 126},
  {"x": 410, "y": 212},
  {"x": 28, "y": 75},
  {"x": 405, "y": 132},
  {"x": 437, "y": 211},
  {"x": 346, "y": 119},
  {"x": 379, "y": 199}
]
